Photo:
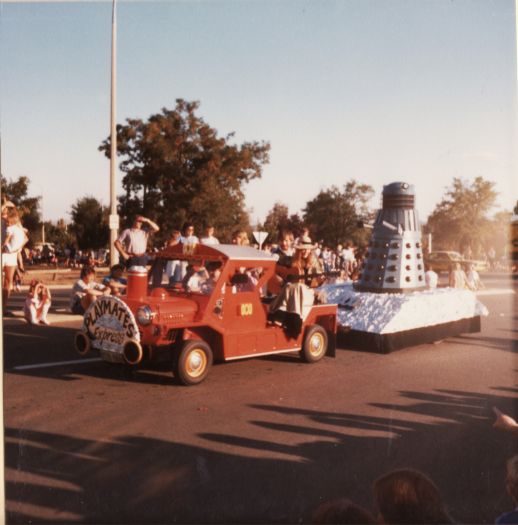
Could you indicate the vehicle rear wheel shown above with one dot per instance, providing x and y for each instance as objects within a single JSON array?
[
  {"x": 314, "y": 347},
  {"x": 193, "y": 362}
]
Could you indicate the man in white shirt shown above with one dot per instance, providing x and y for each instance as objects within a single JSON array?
[
  {"x": 209, "y": 238},
  {"x": 132, "y": 242}
]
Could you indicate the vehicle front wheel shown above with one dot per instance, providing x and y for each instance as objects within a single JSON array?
[
  {"x": 193, "y": 362},
  {"x": 314, "y": 347}
]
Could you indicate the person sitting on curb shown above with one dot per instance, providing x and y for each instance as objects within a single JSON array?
[
  {"x": 37, "y": 303},
  {"x": 115, "y": 282},
  {"x": 85, "y": 291}
]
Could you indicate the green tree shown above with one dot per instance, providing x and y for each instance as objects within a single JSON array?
[
  {"x": 279, "y": 219},
  {"x": 178, "y": 169},
  {"x": 90, "y": 223},
  {"x": 29, "y": 207},
  {"x": 59, "y": 234},
  {"x": 333, "y": 215},
  {"x": 461, "y": 219}
]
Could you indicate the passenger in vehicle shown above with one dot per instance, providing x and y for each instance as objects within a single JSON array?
[
  {"x": 297, "y": 296},
  {"x": 195, "y": 278}
]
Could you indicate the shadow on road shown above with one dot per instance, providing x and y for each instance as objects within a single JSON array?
[
  {"x": 309, "y": 456},
  {"x": 499, "y": 343}
]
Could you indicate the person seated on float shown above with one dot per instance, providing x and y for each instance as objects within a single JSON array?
[
  {"x": 195, "y": 278},
  {"x": 297, "y": 295},
  {"x": 244, "y": 282},
  {"x": 85, "y": 291},
  {"x": 285, "y": 251},
  {"x": 115, "y": 281},
  {"x": 240, "y": 238},
  {"x": 210, "y": 283}
]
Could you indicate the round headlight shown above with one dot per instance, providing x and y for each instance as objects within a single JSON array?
[{"x": 144, "y": 315}]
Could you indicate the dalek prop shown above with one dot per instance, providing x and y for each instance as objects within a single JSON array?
[{"x": 394, "y": 261}]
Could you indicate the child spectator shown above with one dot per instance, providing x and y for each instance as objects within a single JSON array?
[
  {"x": 85, "y": 291},
  {"x": 473, "y": 279},
  {"x": 342, "y": 511},
  {"x": 511, "y": 484},
  {"x": 408, "y": 496},
  {"x": 114, "y": 281},
  {"x": 431, "y": 278},
  {"x": 37, "y": 303},
  {"x": 457, "y": 277}
]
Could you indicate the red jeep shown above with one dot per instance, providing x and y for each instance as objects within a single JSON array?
[{"x": 217, "y": 312}]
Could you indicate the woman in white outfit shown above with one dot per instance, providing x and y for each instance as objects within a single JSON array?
[{"x": 14, "y": 241}]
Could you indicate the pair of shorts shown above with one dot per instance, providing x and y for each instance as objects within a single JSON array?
[
  {"x": 9, "y": 259},
  {"x": 77, "y": 308}
]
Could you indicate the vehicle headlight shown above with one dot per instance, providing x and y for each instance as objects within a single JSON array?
[{"x": 145, "y": 315}]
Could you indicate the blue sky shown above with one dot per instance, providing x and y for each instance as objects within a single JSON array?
[{"x": 385, "y": 90}]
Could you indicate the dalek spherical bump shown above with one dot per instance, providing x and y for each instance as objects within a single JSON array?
[{"x": 394, "y": 261}]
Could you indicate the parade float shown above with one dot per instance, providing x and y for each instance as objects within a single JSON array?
[
  {"x": 390, "y": 307},
  {"x": 222, "y": 317}
]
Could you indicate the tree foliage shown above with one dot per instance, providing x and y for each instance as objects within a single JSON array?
[
  {"x": 333, "y": 215},
  {"x": 178, "y": 169},
  {"x": 461, "y": 218},
  {"x": 279, "y": 219},
  {"x": 29, "y": 207},
  {"x": 59, "y": 234},
  {"x": 90, "y": 223}
]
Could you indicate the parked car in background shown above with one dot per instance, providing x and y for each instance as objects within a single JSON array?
[{"x": 441, "y": 261}]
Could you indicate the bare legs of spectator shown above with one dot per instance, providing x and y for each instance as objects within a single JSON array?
[{"x": 7, "y": 285}]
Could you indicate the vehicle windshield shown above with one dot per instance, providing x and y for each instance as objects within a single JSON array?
[
  {"x": 201, "y": 276},
  {"x": 186, "y": 275}
]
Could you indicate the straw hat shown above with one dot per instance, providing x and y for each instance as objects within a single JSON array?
[{"x": 304, "y": 243}]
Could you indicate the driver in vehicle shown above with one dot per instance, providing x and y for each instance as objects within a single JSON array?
[{"x": 195, "y": 278}]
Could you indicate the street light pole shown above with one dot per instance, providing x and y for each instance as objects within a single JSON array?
[{"x": 114, "y": 218}]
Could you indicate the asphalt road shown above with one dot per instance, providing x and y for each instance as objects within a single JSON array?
[{"x": 260, "y": 441}]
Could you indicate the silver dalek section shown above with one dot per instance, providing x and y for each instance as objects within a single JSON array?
[{"x": 394, "y": 262}]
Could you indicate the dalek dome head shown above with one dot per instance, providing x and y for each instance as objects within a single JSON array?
[
  {"x": 398, "y": 195},
  {"x": 394, "y": 261}
]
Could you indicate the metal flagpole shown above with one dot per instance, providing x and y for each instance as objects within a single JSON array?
[{"x": 114, "y": 217}]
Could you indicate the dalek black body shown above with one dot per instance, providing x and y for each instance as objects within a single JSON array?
[{"x": 394, "y": 261}]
